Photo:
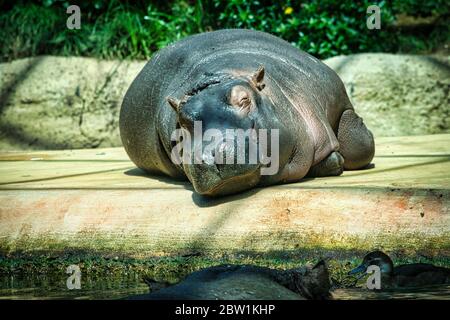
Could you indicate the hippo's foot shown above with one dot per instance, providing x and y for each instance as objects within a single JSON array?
[{"x": 333, "y": 165}]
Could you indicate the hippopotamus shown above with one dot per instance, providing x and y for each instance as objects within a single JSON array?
[{"x": 243, "y": 80}]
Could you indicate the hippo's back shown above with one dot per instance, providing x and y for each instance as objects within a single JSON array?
[{"x": 175, "y": 68}]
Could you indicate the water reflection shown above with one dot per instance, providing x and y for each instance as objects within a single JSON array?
[
  {"x": 54, "y": 287},
  {"x": 441, "y": 292}
]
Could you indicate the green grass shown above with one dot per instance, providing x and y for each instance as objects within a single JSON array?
[{"x": 136, "y": 29}]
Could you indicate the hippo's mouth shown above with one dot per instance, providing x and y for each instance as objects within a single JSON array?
[
  {"x": 232, "y": 180},
  {"x": 209, "y": 182}
]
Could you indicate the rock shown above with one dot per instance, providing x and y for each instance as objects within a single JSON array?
[
  {"x": 73, "y": 102},
  {"x": 62, "y": 103},
  {"x": 398, "y": 94}
]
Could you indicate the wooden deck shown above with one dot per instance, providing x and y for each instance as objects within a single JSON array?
[{"x": 97, "y": 200}]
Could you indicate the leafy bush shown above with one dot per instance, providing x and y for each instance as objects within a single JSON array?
[{"x": 135, "y": 29}]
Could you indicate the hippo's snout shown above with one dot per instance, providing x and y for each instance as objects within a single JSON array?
[
  {"x": 223, "y": 149},
  {"x": 219, "y": 169},
  {"x": 209, "y": 180}
]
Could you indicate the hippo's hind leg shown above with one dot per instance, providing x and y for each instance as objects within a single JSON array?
[{"x": 356, "y": 142}]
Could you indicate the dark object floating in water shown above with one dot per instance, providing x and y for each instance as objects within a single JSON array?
[
  {"x": 407, "y": 275},
  {"x": 235, "y": 282}
]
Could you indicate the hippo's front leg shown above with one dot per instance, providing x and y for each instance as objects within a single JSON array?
[
  {"x": 333, "y": 165},
  {"x": 296, "y": 167}
]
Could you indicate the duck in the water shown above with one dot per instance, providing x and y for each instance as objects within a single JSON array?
[
  {"x": 407, "y": 275},
  {"x": 244, "y": 282}
]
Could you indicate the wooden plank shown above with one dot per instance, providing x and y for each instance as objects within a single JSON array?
[{"x": 97, "y": 200}]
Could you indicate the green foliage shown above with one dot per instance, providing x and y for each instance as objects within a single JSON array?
[
  {"x": 28, "y": 36},
  {"x": 322, "y": 28},
  {"x": 136, "y": 29},
  {"x": 422, "y": 8}
]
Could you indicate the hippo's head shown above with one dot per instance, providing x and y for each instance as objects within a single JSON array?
[{"x": 220, "y": 141}]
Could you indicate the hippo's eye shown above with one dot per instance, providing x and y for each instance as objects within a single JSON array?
[{"x": 239, "y": 97}]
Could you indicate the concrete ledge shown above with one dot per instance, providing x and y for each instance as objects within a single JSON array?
[{"x": 96, "y": 200}]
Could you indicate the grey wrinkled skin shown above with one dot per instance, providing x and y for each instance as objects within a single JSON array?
[{"x": 320, "y": 134}]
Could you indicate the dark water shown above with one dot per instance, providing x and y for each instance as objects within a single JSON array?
[
  {"x": 48, "y": 287},
  {"x": 435, "y": 293}
]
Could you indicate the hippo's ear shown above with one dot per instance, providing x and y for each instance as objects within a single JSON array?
[
  {"x": 174, "y": 103},
  {"x": 258, "y": 78}
]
